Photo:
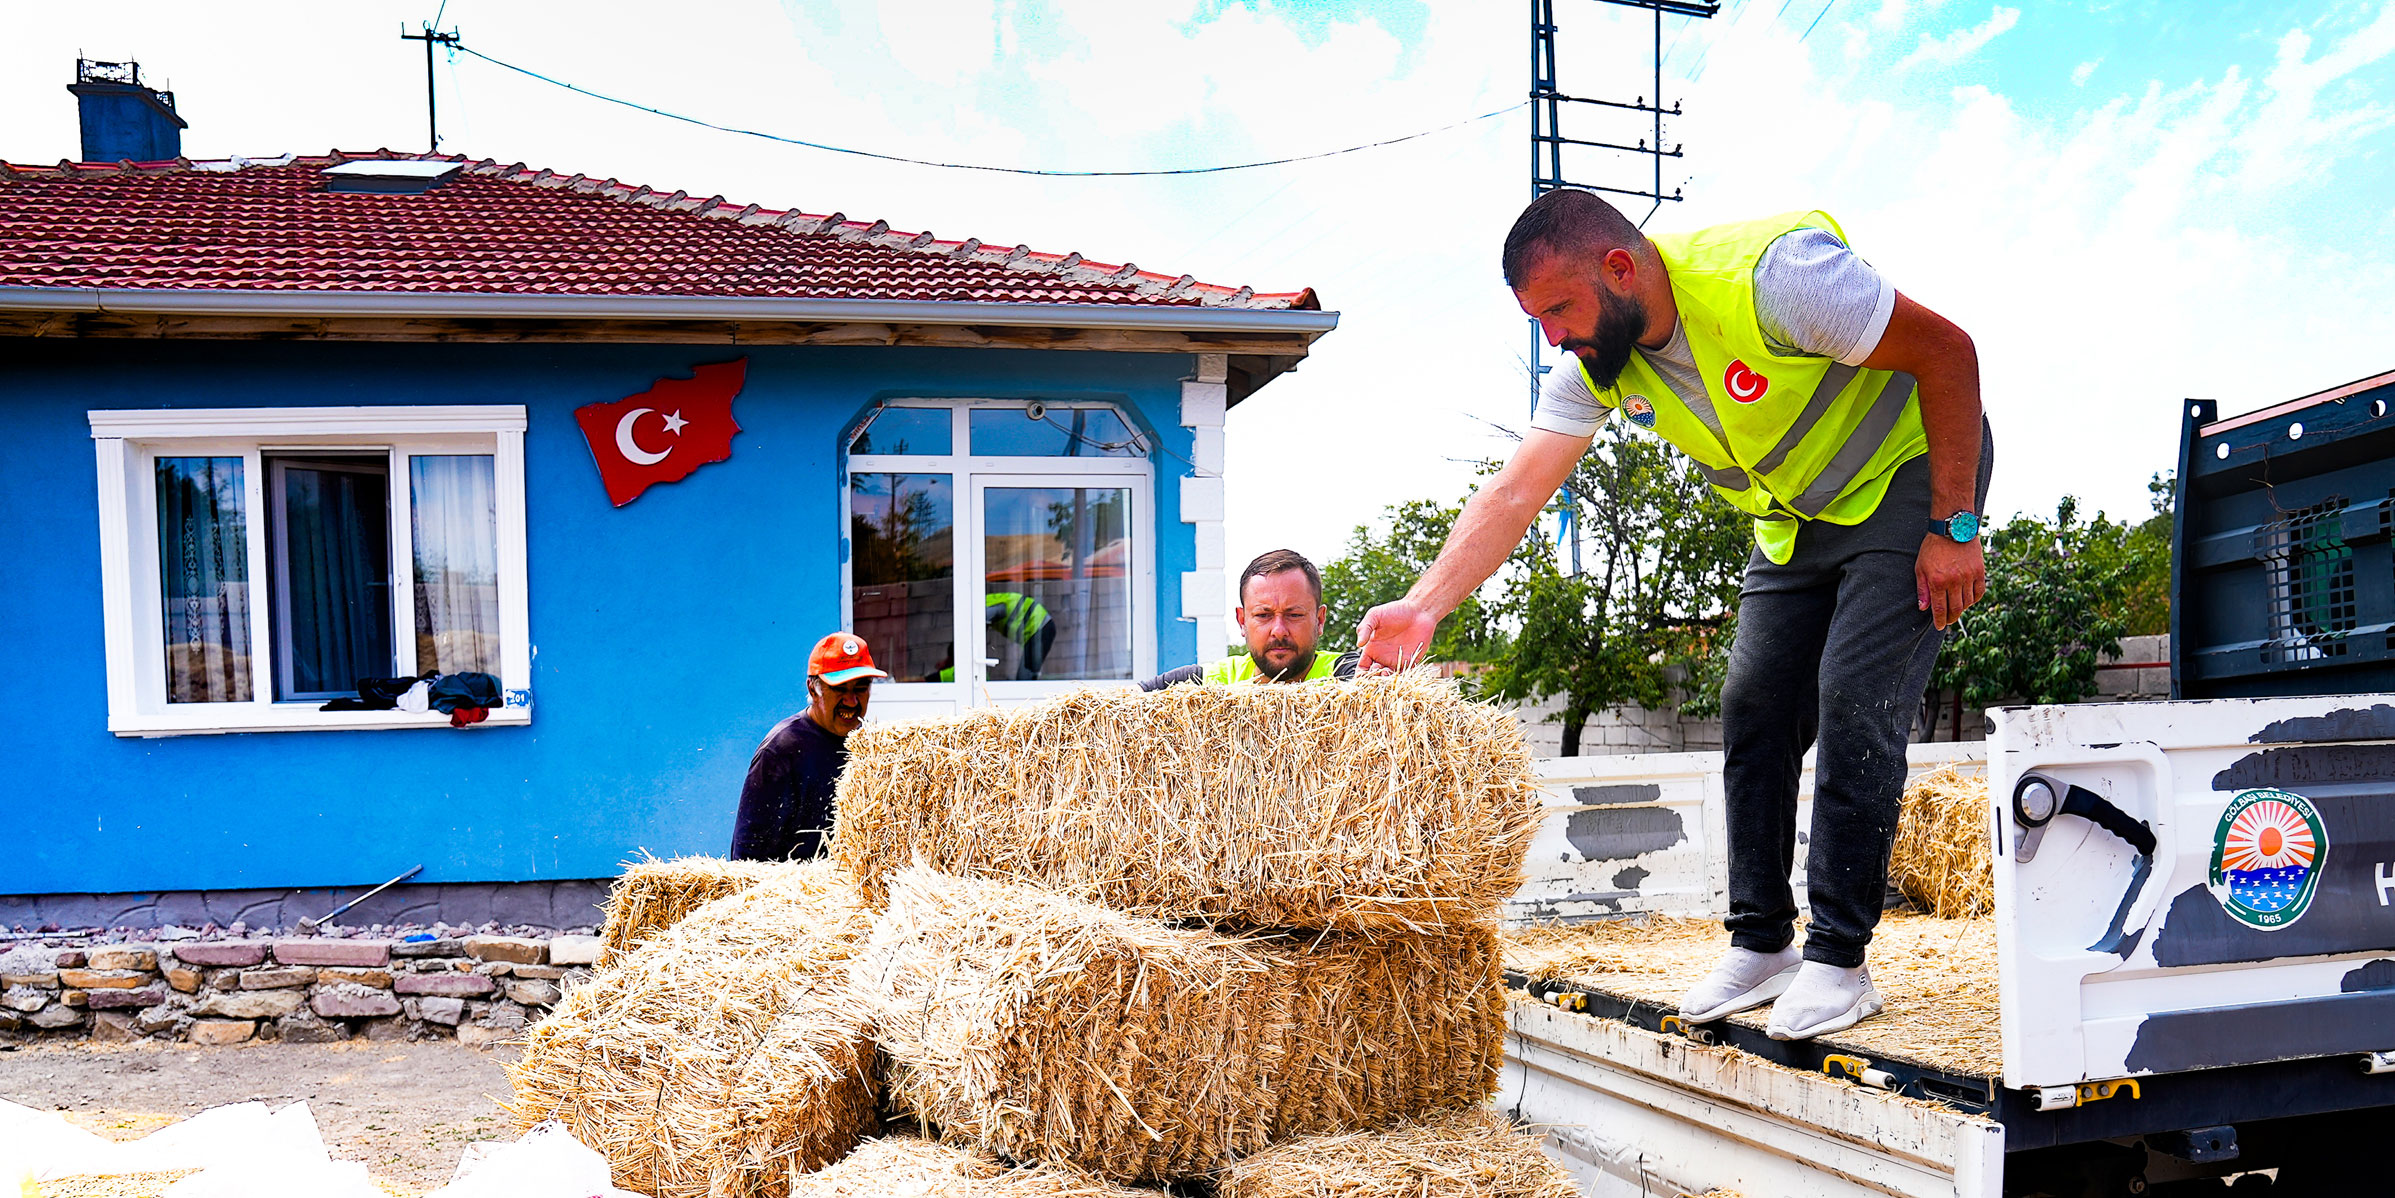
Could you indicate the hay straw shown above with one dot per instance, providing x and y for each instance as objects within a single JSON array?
[
  {"x": 909, "y": 1167},
  {"x": 651, "y": 895},
  {"x": 1042, "y": 1028},
  {"x": 1471, "y": 1153},
  {"x": 723, "y": 1056},
  {"x": 1940, "y": 860},
  {"x": 1385, "y": 802},
  {"x": 1385, "y": 1026},
  {"x": 1937, "y": 975}
]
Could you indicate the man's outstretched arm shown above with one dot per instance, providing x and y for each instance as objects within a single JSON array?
[
  {"x": 1949, "y": 577},
  {"x": 1394, "y": 635}
]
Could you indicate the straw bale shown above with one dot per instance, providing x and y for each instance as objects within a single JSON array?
[
  {"x": 1384, "y": 1026},
  {"x": 1042, "y": 1028},
  {"x": 723, "y": 1056},
  {"x": 911, "y": 1167},
  {"x": 1469, "y": 1153},
  {"x": 652, "y": 894},
  {"x": 1941, "y": 860},
  {"x": 1045, "y": 1029},
  {"x": 1937, "y": 975},
  {"x": 1383, "y": 802}
]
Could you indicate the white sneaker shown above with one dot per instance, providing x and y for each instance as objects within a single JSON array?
[
  {"x": 1744, "y": 979},
  {"x": 1824, "y": 999}
]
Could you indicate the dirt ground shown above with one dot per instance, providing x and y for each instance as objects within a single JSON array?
[{"x": 406, "y": 1110}]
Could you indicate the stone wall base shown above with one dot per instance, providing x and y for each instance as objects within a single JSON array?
[
  {"x": 568, "y": 903},
  {"x": 474, "y": 989}
]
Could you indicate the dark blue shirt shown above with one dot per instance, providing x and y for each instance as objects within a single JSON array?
[{"x": 786, "y": 805}]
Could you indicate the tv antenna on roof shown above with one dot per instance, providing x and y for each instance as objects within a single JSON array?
[{"x": 432, "y": 116}]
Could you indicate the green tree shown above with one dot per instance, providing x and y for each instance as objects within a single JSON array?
[
  {"x": 1376, "y": 569},
  {"x": 1660, "y": 559},
  {"x": 2145, "y": 597},
  {"x": 2056, "y": 604}
]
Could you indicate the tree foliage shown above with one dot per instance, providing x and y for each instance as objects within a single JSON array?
[
  {"x": 1660, "y": 562},
  {"x": 2057, "y": 602},
  {"x": 1379, "y": 568}
]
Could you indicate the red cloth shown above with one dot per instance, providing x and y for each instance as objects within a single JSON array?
[
  {"x": 462, "y": 716},
  {"x": 666, "y": 432}
]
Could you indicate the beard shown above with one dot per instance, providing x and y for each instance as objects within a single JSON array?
[
  {"x": 1621, "y": 319},
  {"x": 1296, "y": 668}
]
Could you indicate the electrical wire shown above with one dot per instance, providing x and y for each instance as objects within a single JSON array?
[
  {"x": 1825, "y": 11},
  {"x": 972, "y": 166}
]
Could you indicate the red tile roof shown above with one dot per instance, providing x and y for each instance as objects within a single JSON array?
[{"x": 270, "y": 225}]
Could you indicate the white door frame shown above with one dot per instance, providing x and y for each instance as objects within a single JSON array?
[{"x": 969, "y": 476}]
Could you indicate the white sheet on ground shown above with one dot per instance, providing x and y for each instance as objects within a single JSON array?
[
  {"x": 548, "y": 1162},
  {"x": 242, "y": 1149}
]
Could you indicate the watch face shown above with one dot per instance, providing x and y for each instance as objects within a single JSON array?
[{"x": 1963, "y": 527}]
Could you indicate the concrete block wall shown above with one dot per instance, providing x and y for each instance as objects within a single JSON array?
[
  {"x": 2140, "y": 673},
  {"x": 477, "y": 990}
]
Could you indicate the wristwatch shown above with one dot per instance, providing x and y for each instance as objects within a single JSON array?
[{"x": 1962, "y": 527}]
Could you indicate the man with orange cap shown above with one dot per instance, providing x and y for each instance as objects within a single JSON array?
[{"x": 786, "y": 805}]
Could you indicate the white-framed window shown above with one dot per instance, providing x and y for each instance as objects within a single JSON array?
[
  {"x": 998, "y": 550},
  {"x": 259, "y": 563}
]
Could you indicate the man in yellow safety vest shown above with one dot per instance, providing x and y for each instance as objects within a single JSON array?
[
  {"x": 1845, "y": 418},
  {"x": 1280, "y": 613}
]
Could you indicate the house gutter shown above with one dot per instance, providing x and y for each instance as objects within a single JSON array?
[{"x": 434, "y": 305}]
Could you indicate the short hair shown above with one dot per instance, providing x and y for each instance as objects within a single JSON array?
[
  {"x": 1277, "y": 561},
  {"x": 1567, "y": 221}
]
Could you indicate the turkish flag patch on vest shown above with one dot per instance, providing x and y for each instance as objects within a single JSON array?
[
  {"x": 664, "y": 433},
  {"x": 1743, "y": 384}
]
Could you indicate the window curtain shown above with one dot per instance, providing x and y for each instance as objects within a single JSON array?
[
  {"x": 337, "y": 564},
  {"x": 203, "y": 574},
  {"x": 454, "y": 515}
]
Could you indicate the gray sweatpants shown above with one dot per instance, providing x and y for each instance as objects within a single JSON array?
[{"x": 1833, "y": 649}]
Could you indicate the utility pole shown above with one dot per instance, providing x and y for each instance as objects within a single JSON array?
[
  {"x": 1546, "y": 163},
  {"x": 432, "y": 116}
]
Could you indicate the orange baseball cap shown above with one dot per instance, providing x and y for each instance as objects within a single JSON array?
[{"x": 842, "y": 658}]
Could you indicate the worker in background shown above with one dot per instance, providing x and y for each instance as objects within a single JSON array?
[
  {"x": 1845, "y": 418},
  {"x": 1025, "y": 621},
  {"x": 1280, "y": 613},
  {"x": 786, "y": 804}
]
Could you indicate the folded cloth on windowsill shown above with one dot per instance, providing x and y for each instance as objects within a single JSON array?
[
  {"x": 384, "y": 694},
  {"x": 462, "y": 716},
  {"x": 469, "y": 689}
]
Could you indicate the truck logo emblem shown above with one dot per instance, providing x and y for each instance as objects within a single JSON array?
[
  {"x": 1743, "y": 383},
  {"x": 2266, "y": 858},
  {"x": 1640, "y": 410}
]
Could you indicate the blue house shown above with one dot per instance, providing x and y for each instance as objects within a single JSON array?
[{"x": 282, "y": 425}]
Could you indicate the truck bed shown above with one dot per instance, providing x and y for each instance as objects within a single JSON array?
[{"x": 1937, "y": 975}]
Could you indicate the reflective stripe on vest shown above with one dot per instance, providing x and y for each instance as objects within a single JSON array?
[
  {"x": 1804, "y": 437},
  {"x": 1231, "y": 671}
]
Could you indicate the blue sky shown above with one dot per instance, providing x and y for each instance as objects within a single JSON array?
[{"x": 2126, "y": 203}]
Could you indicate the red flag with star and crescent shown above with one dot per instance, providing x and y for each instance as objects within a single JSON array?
[{"x": 666, "y": 432}]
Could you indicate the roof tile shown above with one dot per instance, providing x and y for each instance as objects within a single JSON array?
[{"x": 268, "y": 224}]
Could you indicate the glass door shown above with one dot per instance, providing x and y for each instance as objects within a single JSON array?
[
  {"x": 903, "y": 589},
  {"x": 1064, "y": 574}
]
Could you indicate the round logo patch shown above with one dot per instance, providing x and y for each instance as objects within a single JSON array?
[
  {"x": 1639, "y": 409},
  {"x": 2266, "y": 858},
  {"x": 1744, "y": 385},
  {"x": 850, "y": 648}
]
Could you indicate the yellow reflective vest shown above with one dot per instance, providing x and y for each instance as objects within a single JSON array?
[
  {"x": 1806, "y": 437},
  {"x": 1231, "y": 670}
]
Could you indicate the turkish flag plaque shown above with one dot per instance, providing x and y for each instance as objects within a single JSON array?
[{"x": 664, "y": 433}]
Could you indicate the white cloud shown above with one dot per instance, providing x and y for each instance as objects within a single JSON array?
[
  {"x": 2080, "y": 73},
  {"x": 1962, "y": 43}
]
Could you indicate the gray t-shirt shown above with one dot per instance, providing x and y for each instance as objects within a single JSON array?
[{"x": 1812, "y": 296}]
